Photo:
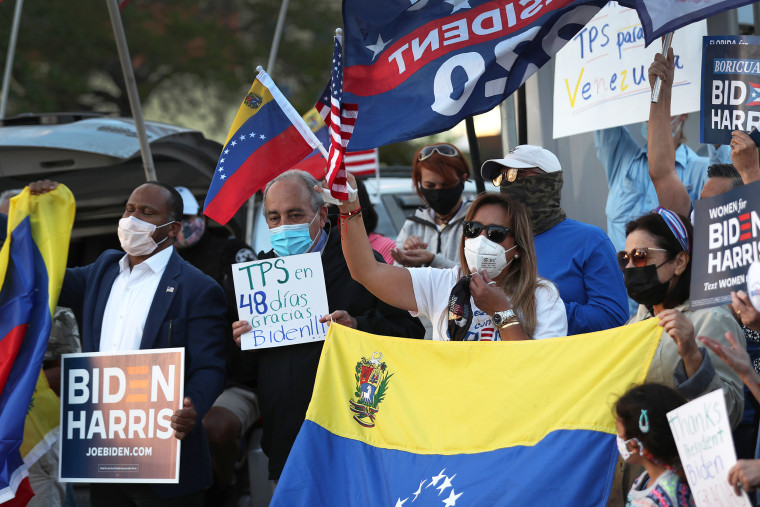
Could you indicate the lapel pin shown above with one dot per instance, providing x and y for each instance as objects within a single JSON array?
[{"x": 170, "y": 289}]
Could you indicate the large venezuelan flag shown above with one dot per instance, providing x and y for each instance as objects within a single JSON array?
[
  {"x": 415, "y": 422},
  {"x": 32, "y": 266},
  {"x": 267, "y": 138}
]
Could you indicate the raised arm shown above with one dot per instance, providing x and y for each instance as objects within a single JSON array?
[
  {"x": 391, "y": 284},
  {"x": 671, "y": 192}
]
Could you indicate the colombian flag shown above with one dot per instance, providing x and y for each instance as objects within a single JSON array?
[
  {"x": 32, "y": 265},
  {"x": 267, "y": 138},
  {"x": 415, "y": 422}
]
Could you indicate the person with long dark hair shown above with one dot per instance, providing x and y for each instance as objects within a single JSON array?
[
  {"x": 493, "y": 294},
  {"x": 656, "y": 265}
]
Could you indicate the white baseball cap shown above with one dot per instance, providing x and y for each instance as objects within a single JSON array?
[
  {"x": 524, "y": 156},
  {"x": 189, "y": 203}
]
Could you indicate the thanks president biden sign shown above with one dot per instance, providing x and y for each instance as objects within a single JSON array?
[{"x": 116, "y": 414}]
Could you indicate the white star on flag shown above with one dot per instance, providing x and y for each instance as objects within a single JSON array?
[
  {"x": 446, "y": 484},
  {"x": 242, "y": 137},
  {"x": 262, "y": 136},
  {"x": 233, "y": 143},
  {"x": 378, "y": 46},
  {"x": 459, "y": 4},
  {"x": 419, "y": 490},
  {"x": 222, "y": 176},
  {"x": 252, "y": 134},
  {"x": 451, "y": 501},
  {"x": 435, "y": 479}
]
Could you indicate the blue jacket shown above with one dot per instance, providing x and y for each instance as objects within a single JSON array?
[
  {"x": 195, "y": 310},
  {"x": 580, "y": 260}
]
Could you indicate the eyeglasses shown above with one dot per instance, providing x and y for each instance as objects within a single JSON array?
[
  {"x": 495, "y": 233},
  {"x": 446, "y": 150},
  {"x": 638, "y": 256}
]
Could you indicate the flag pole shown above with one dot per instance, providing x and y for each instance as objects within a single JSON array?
[
  {"x": 9, "y": 59},
  {"x": 270, "y": 66},
  {"x": 658, "y": 83},
  {"x": 131, "y": 85},
  {"x": 472, "y": 140}
]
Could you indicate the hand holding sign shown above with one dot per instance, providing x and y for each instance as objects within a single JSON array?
[
  {"x": 183, "y": 420},
  {"x": 341, "y": 317},
  {"x": 744, "y": 155},
  {"x": 745, "y": 475}
]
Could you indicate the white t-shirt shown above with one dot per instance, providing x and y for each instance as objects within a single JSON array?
[{"x": 432, "y": 288}]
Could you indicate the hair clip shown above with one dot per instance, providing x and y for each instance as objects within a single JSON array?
[{"x": 644, "y": 421}]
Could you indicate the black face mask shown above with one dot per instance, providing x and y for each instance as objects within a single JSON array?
[
  {"x": 443, "y": 200},
  {"x": 644, "y": 287}
]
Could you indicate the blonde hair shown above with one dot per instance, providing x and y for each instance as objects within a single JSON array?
[{"x": 521, "y": 282}]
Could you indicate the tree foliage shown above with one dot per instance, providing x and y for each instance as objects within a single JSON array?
[
  {"x": 193, "y": 60},
  {"x": 66, "y": 56}
]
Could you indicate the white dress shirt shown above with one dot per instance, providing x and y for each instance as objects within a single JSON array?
[{"x": 129, "y": 302}]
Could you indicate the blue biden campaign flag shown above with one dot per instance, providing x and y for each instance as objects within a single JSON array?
[
  {"x": 659, "y": 17},
  {"x": 417, "y": 68}
]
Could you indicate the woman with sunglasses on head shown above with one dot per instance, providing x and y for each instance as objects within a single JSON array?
[
  {"x": 430, "y": 237},
  {"x": 656, "y": 265},
  {"x": 501, "y": 298}
]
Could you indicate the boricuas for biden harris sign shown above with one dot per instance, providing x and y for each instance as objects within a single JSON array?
[
  {"x": 282, "y": 298},
  {"x": 116, "y": 411},
  {"x": 730, "y": 87},
  {"x": 726, "y": 243}
]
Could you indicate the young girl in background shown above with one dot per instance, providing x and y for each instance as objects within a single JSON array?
[{"x": 644, "y": 438}]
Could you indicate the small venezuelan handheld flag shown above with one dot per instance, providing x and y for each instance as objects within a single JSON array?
[
  {"x": 413, "y": 422},
  {"x": 32, "y": 266},
  {"x": 267, "y": 138}
]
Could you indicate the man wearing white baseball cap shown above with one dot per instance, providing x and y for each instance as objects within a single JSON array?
[{"x": 579, "y": 258}]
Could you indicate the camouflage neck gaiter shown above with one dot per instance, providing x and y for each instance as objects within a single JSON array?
[{"x": 541, "y": 195}]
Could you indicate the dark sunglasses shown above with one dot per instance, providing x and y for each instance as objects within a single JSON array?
[
  {"x": 638, "y": 256},
  {"x": 442, "y": 149},
  {"x": 495, "y": 233}
]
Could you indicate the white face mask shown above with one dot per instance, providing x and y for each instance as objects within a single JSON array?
[
  {"x": 622, "y": 446},
  {"x": 484, "y": 255},
  {"x": 136, "y": 236}
]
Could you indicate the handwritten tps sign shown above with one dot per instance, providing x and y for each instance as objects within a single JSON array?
[
  {"x": 282, "y": 298},
  {"x": 605, "y": 68}
]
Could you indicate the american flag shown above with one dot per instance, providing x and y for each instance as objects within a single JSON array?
[
  {"x": 361, "y": 163},
  {"x": 340, "y": 119}
]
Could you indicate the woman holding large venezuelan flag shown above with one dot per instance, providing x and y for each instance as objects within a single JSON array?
[{"x": 494, "y": 294}]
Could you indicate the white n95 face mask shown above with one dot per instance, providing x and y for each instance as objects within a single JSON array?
[
  {"x": 136, "y": 236},
  {"x": 484, "y": 255}
]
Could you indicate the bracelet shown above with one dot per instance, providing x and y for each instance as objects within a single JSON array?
[
  {"x": 508, "y": 324},
  {"x": 350, "y": 214}
]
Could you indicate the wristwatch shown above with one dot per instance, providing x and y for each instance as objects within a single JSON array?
[{"x": 501, "y": 319}]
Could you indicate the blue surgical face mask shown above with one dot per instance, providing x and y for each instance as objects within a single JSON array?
[{"x": 291, "y": 239}]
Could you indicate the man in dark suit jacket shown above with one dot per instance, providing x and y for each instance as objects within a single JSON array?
[
  {"x": 286, "y": 374},
  {"x": 182, "y": 308}
]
